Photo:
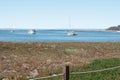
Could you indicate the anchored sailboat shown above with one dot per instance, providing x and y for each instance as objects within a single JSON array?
[
  {"x": 71, "y": 33},
  {"x": 31, "y": 32}
]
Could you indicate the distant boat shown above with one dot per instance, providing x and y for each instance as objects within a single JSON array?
[
  {"x": 71, "y": 33},
  {"x": 118, "y": 31},
  {"x": 12, "y": 31},
  {"x": 31, "y": 32}
]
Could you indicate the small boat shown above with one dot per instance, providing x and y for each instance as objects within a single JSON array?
[
  {"x": 31, "y": 32},
  {"x": 118, "y": 31},
  {"x": 12, "y": 31},
  {"x": 71, "y": 33}
]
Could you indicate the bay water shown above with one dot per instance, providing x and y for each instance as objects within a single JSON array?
[{"x": 58, "y": 36}]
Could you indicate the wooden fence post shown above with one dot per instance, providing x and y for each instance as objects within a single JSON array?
[{"x": 66, "y": 72}]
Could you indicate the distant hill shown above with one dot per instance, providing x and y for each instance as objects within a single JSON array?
[{"x": 115, "y": 28}]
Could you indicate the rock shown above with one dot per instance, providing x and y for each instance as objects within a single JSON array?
[
  {"x": 67, "y": 63},
  {"x": 9, "y": 71},
  {"x": 26, "y": 66},
  {"x": 40, "y": 44},
  {"x": 48, "y": 61},
  {"x": 5, "y": 79},
  {"x": 54, "y": 75},
  {"x": 34, "y": 73},
  {"x": 3, "y": 58},
  {"x": 53, "y": 46}
]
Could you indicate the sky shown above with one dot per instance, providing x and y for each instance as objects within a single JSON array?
[{"x": 55, "y": 14}]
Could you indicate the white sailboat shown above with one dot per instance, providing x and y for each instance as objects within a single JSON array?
[
  {"x": 71, "y": 33},
  {"x": 118, "y": 31},
  {"x": 31, "y": 32},
  {"x": 11, "y": 31}
]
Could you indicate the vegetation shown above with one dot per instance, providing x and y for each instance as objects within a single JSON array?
[
  {"x": 115, "y": 28},
  {"x": 100, "y": 64},
  {"x": 96, "y": 65},
  {"x": 20, "y": 61}
]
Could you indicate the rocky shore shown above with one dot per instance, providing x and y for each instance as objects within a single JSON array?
[{"x": 114, "y": 28}]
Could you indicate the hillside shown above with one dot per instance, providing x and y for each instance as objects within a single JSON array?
[{"x": 114, "y": 28}]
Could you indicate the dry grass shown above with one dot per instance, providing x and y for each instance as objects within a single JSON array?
[{"x": 18, "y": 60}]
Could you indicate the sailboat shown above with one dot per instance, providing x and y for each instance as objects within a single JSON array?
[
  {"x": 31, "y": 32},
  {"x": 71, "y": 33},
  {"x": 11, "y": 31},
  {"x": 118, "y": 31}
]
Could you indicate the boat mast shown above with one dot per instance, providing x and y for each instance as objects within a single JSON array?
[{"x": 70, "y": 22}]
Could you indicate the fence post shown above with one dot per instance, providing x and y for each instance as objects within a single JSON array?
[{"x": 66, "y": 72}]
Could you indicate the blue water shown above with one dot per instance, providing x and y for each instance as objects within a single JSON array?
[{"x": 57, "y": 36}]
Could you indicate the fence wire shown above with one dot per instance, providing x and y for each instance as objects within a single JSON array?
[
  {"x": 54, "y": 75},
  {"x": 75, "y": 73}
]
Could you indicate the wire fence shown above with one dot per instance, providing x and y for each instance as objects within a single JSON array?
[
  {"x": 76, "y": 73},
  {"x": 54, "y": 75},
  {"x": 101, "y": 70}
]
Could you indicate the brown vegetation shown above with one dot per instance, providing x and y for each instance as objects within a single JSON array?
[{"x": 26, "y": 60}]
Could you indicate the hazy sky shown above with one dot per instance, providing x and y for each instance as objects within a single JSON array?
[{"x": 55, "y": 13}]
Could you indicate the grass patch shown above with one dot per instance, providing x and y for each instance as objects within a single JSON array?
[
  {"x": 96, "y": 65},
  {"x": 72, "y": 51}
]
